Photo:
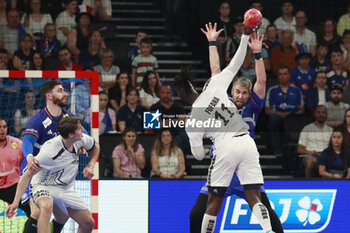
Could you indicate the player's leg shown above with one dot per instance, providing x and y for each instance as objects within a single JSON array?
[
  {"x": 45, "y": 205},
  {"x": 275, "y": 221},
  {"x": 60, "y": 219},
  {"x": 197, "y": 213},
  {"x": 83, "y": 218}
]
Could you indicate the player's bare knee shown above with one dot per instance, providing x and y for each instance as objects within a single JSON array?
[
  {"x": 88, "y": 224},
  {"x": 46, "y": 207}
]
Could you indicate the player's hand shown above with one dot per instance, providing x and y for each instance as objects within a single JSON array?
[
  {"x": 248, "y": 31},
  {"x": 88, "y": 172},
  {"x": 32, "y": 163},
  {"x": 211, "y": 33},
  {"x": 255, "y": 42},
  {"x": 10, "y": 210},
  {"x": 83, "y": 151}
]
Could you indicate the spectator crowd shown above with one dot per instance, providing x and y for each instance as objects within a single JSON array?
[{"x": 308, "y": 78}]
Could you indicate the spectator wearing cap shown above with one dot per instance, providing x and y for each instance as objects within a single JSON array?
[
  {"x": 78, "y": 37},
  {"x": 335, "y": 108},
  {"x": 345, "y": 47},
  {"x": 257, "y": 4},
  {"x": 271, "y": 38},
  {"x": 318, "y": 94},
  {"x": 303, "y": 76},
  {"x": 320, "y": 62},
  {"x": 284, "y": 54},
  {"x": 302, "y": 35},
  {"x": 344, "y": 22},
  {"x": 287, "y": 20},
  {"x": 337, "y": 73},
  {"x": 329, "y": 35},
  {"x": 233, "y": 43},
  {"x": 101, "y": 9},
  {"x": 65, "y": 21}
]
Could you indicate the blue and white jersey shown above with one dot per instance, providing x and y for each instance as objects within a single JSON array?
[
  {"x": 284, "y": 102},
  {"x": 250, "y": 113},
  {"x": 303, "y": 80},
  {"x": 44, "y": 127}
]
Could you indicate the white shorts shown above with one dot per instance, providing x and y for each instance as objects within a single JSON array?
[
  {"x": 63, "y": 198},
  {"x": 235, "y": 154}
]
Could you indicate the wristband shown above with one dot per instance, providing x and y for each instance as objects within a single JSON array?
[
  {"x": 212, "y": 43},
  {"x": 257, "y": 56}
]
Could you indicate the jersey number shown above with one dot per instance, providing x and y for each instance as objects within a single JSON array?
[{"x": 219, "y": 116}]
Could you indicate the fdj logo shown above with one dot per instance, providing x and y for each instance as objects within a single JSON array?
[
  {"x": 151, "y": 120},
  {"x": 298, "y": 210}
]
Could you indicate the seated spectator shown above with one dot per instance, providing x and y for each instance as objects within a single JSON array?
[
  {"x": 78, "y": 37},
  {"x": 107, "y": 119},
  {"x": 131, "y": 114},
  {"x": 337, "y": 73},
  {"x": 335, "y": 108},
  {"x": 302, "y": 35},
  {"x": 117, "y": 93},
  {"x": 149, "y": 90},
  {"x": 346, "y": 95},
  {"x": 35, "y": 18},
  {"x": 24, "y": 55},
  {"x": 89, "y": 57},
  {"x": 333, "y": 160},
  {"x": 108, "y": 72},
  {"x": 314, "y": 138},
  {"x": 65, "y": 21},
  {"x": 37, "y": 63},
  {"x": 3, "y": 7},
  {"x": 344, "y": 22},
  {"x": 135, "y": 50},
  {"x": 65, "y": 57},
  {"x": 101, "y": 9},
  {"x": 318, "y": 94},
  {"x": 168, "y": 161},
  {"x": 329, "y": 36},
  {"x": 271, "y": 38},
  {"x": 287, "y": 20},
  {"x": 129, "y": 156},
  {"x": 303, "y": 76},
  {"x": 234, "y": 41},
  {"x": 22, "y": 116},
  {"x": 49, "y": 45},
  {"x": 10, "y": 33},
  {"x": 283, "y": 54},
  {"x": 143, "y": 62},
  {"x": 345, "y": 47},
  {"x": 345, "y": 128},
  {"x": 320, "y": 62},
  {"x": 282, "y": 100}
]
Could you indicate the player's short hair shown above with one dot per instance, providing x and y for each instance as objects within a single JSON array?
[
  {"x": 48, "y": 86},
  {"x": 242, "y": 81},
  {"x": 185, "y": 80},
  {"x": 68, "y": 125},
  {"x": 146, "y": 40}
]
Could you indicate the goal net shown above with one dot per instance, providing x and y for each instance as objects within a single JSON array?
[{"x": 20, "y": 99}]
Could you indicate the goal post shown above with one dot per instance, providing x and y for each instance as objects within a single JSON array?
[{"x": 69, "y": 79}]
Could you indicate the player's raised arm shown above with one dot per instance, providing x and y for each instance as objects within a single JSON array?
[
  {"x": 88, "y": 171},
  {"x": 212, "y": 35},
  {"x": 21, "y": 187},
  {"x": 256, "y": 45}
]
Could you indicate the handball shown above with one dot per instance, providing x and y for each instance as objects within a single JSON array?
[{"x": 252, "y": 18}]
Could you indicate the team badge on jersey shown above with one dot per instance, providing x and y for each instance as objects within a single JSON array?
[
  {"x": 14, "y": 145},
  {"x": 151, "y": 120}
]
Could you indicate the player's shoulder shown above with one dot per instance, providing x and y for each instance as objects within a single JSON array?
[{"x": 67, "y": 113}]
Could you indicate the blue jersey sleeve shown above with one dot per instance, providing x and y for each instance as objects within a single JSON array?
[
  {"x": 33, "y": 127},
  {"x": 257, "y": 101},
  {"x": 28, "y": 142}
]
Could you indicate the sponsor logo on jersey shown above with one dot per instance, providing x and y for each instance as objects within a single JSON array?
[
  {"x": 47, "y": 122},
  {"x": 14, "y": 145},
  {"x": 151, "y": 120},
  {"x": 300, "y": 210}
]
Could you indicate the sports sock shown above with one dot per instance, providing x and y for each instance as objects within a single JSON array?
[
  {"x": 30, "y": 226},
  {"x": 55, "y": 226},
  {"x": 262, "y": 215},
  {"x": 208, "y": 223}
]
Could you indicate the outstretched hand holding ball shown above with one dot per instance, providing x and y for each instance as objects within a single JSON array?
[{"x": 252, "y": 19}]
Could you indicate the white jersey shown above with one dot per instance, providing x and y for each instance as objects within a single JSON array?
[
  {"x": 214, "y": 105},
  {"x": 59, "y": 166}
]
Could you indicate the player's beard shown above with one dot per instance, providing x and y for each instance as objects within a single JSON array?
[{"x": 60, "y": 102}]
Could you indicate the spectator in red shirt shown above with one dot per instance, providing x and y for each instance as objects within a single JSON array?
[{"x": 65, "y": 57}]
